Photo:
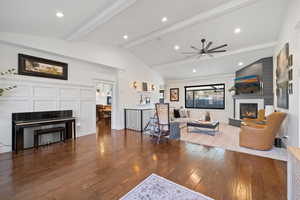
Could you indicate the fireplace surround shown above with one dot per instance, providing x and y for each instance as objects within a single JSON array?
[
  {"x": 248, "y": 110},
  {"x": 237, "y": 107}
]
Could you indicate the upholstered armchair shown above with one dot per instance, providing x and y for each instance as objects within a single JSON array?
[{"x": 261, "y": 137}]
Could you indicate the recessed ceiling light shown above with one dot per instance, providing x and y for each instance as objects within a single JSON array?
[
  {"x": 164, "y": 19},
  {"x": 237, "y": 30},
  {"x": 194, "y": 70},
  {"x": 125, "y": 37},
  {"x": 240, "y": 63},
  {"x": 176, "y": 47},
  {"x": 60, "y": 14}
]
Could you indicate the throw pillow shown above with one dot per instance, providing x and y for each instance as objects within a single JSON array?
[
  {"x": 176, "y": 113},
  {"x": 183, "y": 113}
]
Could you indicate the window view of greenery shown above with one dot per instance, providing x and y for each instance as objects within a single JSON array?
[{"x": 205, "y": 97}]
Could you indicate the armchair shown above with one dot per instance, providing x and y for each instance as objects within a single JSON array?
[{"x": 261, "y": 137}]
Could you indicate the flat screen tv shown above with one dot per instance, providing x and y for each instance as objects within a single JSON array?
[{"x": 247, "y": 84}]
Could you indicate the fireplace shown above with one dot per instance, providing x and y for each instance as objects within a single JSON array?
[{"x": 248, "y": 110}]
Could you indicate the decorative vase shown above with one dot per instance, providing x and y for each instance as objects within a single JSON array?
[{"x": 207, "y": 116}]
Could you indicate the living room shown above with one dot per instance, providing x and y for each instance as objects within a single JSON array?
[{"x": 86, "y": 86}]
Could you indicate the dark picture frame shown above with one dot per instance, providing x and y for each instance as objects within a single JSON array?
[
  {"x": 290, "y": 74},
  {"x": 108, "y": 100},
  {"x": 41, "y": 67},
  {"x": 186, "y": 88},
  {"x": 174, "y": 94}
]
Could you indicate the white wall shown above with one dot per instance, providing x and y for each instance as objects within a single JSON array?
[
  {"x": 127, "y": 96},
  {"x": 289, "y": 34},
  {"x": 41, "y": 94},
  {"x": 105, "y": 90},
  {"x": 87, "y": 63},
  {"x": 220, "y": 115}
]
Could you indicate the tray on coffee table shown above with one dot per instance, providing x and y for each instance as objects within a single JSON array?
[{"x": 214, "y": 125}]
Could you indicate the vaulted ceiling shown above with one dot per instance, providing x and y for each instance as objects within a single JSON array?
[{"x": 150, "y": 39}]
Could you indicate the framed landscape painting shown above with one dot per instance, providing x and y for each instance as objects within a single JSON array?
[
  {"x": 40, "y": 67},
  {"x": 282, "y": 77},
  {"x": 174, "y": 94}
]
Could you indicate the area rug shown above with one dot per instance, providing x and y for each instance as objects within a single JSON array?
[
  {"x": 156, "y": 187},
  {"x": 228, "y": 138}
]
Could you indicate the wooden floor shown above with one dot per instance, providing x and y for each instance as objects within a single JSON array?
[{"x": 109, "y": 164}]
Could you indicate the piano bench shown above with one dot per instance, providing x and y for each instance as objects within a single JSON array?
[{"x": 39, "y": 132}]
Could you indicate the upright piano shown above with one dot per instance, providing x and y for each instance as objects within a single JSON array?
[{"x": 36, "y": 119}]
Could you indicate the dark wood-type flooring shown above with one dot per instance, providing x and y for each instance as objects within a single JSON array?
[{"x": 109, "y": 164}]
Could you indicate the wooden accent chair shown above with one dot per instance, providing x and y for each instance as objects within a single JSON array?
[
  {"x": 261, "y": 137},
  {"x": 163, "y": 120}
]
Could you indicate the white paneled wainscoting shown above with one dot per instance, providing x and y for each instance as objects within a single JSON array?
[{"x": 30, "y": 96}]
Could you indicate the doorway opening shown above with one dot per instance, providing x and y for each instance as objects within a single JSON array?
[{"x": 104, "y": 97}]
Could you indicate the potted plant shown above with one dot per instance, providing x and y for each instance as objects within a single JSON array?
[{"x": 8, "y": 72}]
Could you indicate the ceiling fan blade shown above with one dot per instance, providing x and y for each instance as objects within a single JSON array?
[
  {"x": 195, "y": 48},
  {"x": 208, "y": 45},
  {"x": 218, "y": 51},
  {"x": 224, "y": 45},
  {"x": 210, "y": 55}
]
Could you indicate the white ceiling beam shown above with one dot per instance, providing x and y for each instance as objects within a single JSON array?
[
  {"x": 101, "y": 18},
  {"x": 229, "y": 53},
  {"x": 213, "y": 13}
]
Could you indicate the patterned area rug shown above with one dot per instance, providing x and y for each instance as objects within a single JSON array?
[{"x": 156, "y": 187}]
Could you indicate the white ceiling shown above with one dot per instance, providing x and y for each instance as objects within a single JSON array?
[
  {"x": 260, "y": 24},
  {"x": 145, "y": 17},
  {"x": 106, "y": 21},
  {"x": 38, "y": 17},
  {"x": 217, "y": 66}
]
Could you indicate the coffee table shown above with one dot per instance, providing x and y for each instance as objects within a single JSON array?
[{"x": 214, "y": 125}]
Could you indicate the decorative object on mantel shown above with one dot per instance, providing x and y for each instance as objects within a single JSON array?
[
  {"x": 40, "y": 67},
  {"x": 174, "y": 94},
  {"x": 232, "y": 90},
  {"x": 8, "y": 72},
  {"x": 207, "y": 116},
  {"x": 155, "y": 187},
  {"x": 282, "y": 77}
]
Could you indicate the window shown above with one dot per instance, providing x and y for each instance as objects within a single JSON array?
[{"x": 205, "y": 96}]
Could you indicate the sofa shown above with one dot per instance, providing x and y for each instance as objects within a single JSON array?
[{"x": 182, "y": 118}]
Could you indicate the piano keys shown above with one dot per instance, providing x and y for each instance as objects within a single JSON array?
[{"x": 37, "y": 119}]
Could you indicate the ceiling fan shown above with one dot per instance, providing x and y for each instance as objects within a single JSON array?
[{"x": 205, "y": 50}]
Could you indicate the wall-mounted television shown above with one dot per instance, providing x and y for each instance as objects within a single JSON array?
[{"x": 247, "y": 84}]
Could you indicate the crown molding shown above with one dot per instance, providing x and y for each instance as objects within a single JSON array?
[
  {"x": 229, "y": 53},
  {"x": 100, "y": 19},
  {"x": 211, "y": 14}
]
